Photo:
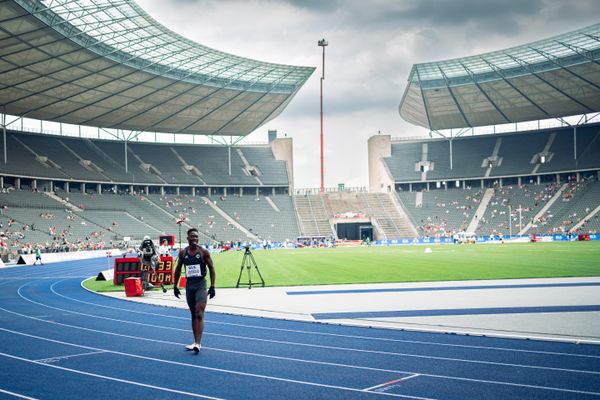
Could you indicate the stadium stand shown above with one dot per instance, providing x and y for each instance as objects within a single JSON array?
[
  {"x": 313, "y": 216},
  {"x": 575, "y": 203},
  {"x": 440, "y": 213},
  {"x": 270, "y": 218},
  {"x": 95, "y": 192},
  {"x": 522, "y": 203},
  {"x": 517, "y": 155}
]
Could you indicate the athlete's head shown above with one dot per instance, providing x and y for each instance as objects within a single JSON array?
[{"x": 192, "y": 236}]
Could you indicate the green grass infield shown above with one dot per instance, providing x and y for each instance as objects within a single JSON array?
[{"x": 410, "y": 263}]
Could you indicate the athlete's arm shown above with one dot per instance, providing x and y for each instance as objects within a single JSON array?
[
  {"x": 211, "y": 270},
  {"x": 176, "y": 291}
]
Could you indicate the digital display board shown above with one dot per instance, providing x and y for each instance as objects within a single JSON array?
[{"x": 132, "y": 267}]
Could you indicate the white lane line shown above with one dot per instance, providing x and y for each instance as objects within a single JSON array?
[
  {"x": 226, "y": 371},
  {"x": 58, "y": 358},
  {"x": 318, "y": 346},
  {"x": 369, "y": 338},
  {"x": 428, "y": 357},
  {"x": 110, "y": 378},
  {"x": 391, "y": 382},
  {"x": 299, "y": 360},
  {"x": 20, "y": 396}
]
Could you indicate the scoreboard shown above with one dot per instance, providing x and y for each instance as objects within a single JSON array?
[{"x": 132, "y": 267}]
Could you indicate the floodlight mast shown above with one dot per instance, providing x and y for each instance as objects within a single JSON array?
[{"x": 322, "y": 43}]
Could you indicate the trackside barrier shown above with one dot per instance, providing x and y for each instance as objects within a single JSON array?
[
  {"x": 29, "y": 259},
  {"x": 483, "y": 239}
]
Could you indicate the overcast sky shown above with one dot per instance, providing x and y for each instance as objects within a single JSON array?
[{"x": 372, "y": 46}]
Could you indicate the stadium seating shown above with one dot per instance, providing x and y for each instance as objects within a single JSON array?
[
  {"x": 515, "y": 152},
  {"x": 441, "y": 213},
  {"x": 103, "y": 161},
  {"x": 270, "y": 218}
]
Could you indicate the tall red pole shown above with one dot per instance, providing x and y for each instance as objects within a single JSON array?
[{"x": 322, "y": 43}]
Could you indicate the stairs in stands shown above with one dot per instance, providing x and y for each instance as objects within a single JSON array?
[
  {"x": 485, "y": 200},
  {"x": 313, "y": 216},
  {"x": 389, "y": 217}
]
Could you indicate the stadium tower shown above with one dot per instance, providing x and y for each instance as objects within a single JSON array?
[
  {"x": 108, "y": 79},
  {"x": 497, "y": 121}
]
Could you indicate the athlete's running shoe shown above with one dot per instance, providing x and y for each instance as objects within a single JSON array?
[{"x": 195, "y": 347}]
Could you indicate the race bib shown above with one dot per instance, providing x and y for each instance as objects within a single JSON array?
[{"x": 193, "y": 271}]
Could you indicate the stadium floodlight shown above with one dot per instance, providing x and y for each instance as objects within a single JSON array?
[{"x": 322, "y": 43}]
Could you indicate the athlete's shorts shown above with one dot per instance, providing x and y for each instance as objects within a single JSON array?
[{"x": 195, "y": 292}]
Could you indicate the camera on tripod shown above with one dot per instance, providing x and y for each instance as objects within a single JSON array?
[{"x": 248, "y": 262}]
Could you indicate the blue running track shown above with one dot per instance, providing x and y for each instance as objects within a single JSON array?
[{"x": 59, "y": 341}]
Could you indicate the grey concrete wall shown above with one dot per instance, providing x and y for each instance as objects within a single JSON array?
[
  {"x": 283, "y": 149},
  {"x": 379, "y": 179}
]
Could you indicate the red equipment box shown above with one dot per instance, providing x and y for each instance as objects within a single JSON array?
[{"x": 133, "y": 287}]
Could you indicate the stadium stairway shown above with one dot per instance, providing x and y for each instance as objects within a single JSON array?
[
  {"x": 552, "y": 200},
  {"x": 485, "y": 200},
  {"x": 232, "y": 221}
]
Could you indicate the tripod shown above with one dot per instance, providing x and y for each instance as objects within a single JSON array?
[{"x": 248, "y": 262}]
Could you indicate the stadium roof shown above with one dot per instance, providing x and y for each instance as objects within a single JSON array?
[
  {"x": 107, "y": 63},
  {"x": 550, "y": 78}
]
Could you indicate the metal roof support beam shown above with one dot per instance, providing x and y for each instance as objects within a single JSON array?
[
  {"x": 462, "y": 131},
  {"x": 61, "y": 83},
  {"x": 70, "y": 65},
  {"x": 424, "y": 100},
  {"x": 437, "y": 133},
  {"x": 62, "y": 39},
  {"x": 501, "y": 75},
  {"x": 226, "y": 102},
  {"x": 252, "y": 104},
  {"x": 179, "y": 94},
  {"x": 556, "y": 62},
  {"x": 484, "y": 92},
  {"x": 88, "y": 90},
  {"x": 454, "y": 97},
  {"x": 582, "y": 52},
  {"x": 198, "y": 101},
  {"x": 125, "y": 155},
  {"x": 4, "y": 133},
  {"x": 532, "y": 72}
]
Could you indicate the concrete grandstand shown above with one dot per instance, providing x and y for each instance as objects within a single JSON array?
[
  {"x": 76, "y": 65},
  {"x": 109, "y": 65},
  {"x": 510, "y": 177}
]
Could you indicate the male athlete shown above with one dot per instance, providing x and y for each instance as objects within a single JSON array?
[{"x": 196, "y": 260}]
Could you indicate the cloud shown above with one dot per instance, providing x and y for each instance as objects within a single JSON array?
[{"x": 372, "y": 47}]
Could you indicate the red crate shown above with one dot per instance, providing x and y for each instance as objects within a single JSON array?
[{"x": 133, "y": 287}]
